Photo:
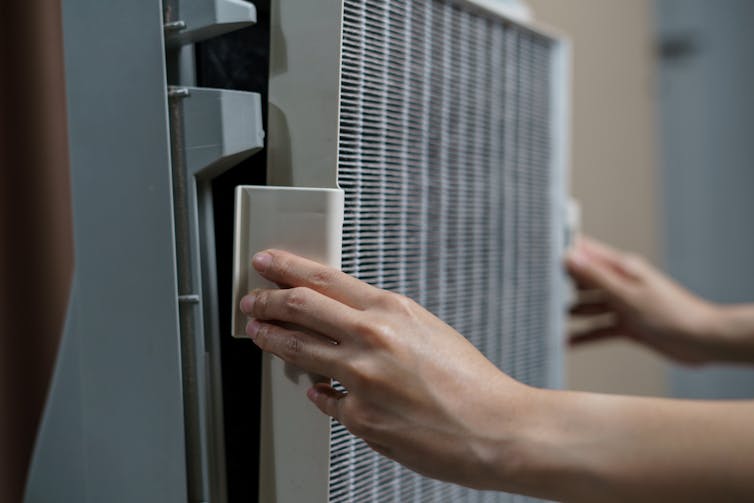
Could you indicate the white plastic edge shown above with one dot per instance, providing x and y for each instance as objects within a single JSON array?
[
  {"x": 306, "y": 221},
  {"x": 235, "y": 11},
  {"x": 518, "y": 12},
  {"x": 294, "y": 457},
  {"x": 521, "y": 16},
  {"x": 560, "y": 137}
]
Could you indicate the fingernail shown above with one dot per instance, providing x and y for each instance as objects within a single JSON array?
[
  {"x": 252, "y": 327},
  {"x": 261, "y": 261},
  {"x": 247, "y": 304}
]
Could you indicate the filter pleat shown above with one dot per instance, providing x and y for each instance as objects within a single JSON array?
[{"x": 445, "y": 159}]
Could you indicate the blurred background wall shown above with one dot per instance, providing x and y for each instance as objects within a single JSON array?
[
  {"x": 613, "y": 161},
  {"x": 706, "y": 112}
]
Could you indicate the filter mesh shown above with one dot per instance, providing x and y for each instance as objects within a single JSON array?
[{"x": 445, "y": 148}]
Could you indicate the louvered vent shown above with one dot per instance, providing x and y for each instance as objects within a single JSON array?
[{"x": 445, "y": 158}]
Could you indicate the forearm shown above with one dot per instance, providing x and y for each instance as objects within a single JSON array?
[
  {"x": 590, "y": 447},
  {"x": 421, "y": 394},
  {"x": 731, "y": 333}
]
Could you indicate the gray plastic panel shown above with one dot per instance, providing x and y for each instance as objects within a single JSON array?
[
  {"x": 113, "y": 427},
  {"x": 211, "y": 129},
  {"x": 220, "y": 128},
  {"x": 191, "y": 21}
]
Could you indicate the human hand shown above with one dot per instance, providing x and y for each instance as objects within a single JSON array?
[
  {"x": 420, "y": 393},
  {"x": 644, "y": 304},
  {"x": 417, "y": 391}
]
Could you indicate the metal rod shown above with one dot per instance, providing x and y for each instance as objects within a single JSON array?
[{"x": 182, "y": 191}]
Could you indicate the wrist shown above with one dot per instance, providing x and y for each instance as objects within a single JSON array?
[
  {"x": 554, "y": 446},
  {"x": 730, "y": 333},
  {"x": 497, "y": 434},
  {"x": 535, "y": 450}
]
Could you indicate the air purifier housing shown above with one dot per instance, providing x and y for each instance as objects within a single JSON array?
[
  {"x": 444, "y": 123},
  {"x": 434, "y": 130}
]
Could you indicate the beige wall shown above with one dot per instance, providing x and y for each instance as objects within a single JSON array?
[{"x": 613, "y": 158}]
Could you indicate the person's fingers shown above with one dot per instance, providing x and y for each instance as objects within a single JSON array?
[
  {"x": 591, "y": 295},
  {"x": 304, "y": 307},
  {"x": 288, "y": 269},
  {"x": 591, "y": 309},
  {"x": 590, "y": 272},
  {"x": 308, "y": 352},
  {"x": 597, "y": 334},
  {"x": 327, "y": 399},
  {"x": 581, "y": 286},
  {"x": 627, "y": 264},
  {"x": 599, "y": 250}
]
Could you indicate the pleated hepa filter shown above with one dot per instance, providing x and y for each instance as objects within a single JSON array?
[
  {"x": 443, "y": 123},
  {"x": 453, "y": 197}
]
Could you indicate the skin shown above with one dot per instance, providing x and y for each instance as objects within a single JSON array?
[
  {"x": 646, "y": 306},
  {"x": 419, "y": 393}
]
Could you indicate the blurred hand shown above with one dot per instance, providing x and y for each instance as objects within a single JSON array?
[
  {"x": 641, "y": 303},
  {"x": 417, "y": 391}
]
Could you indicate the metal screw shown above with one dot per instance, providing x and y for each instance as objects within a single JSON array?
[
  {"x": 174, "y": 26},
  {"x": 178, "y": 92}
]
